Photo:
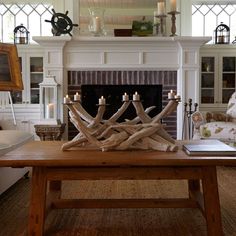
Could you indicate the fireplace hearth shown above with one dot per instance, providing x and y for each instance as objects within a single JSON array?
[{"x": 167, "y": 80}]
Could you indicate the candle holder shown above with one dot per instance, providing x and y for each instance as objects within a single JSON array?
[
  {"x": 96, "y": 21},
  {"x": 162, "y": 24},
  {"x": 173, "y": 21},
  {"x": 49, "y": 99}
]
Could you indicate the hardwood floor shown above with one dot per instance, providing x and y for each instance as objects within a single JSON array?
[{"x": 120, "y": 222}]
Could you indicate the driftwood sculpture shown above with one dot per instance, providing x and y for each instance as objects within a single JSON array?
[{"x": 143, "y": 132}]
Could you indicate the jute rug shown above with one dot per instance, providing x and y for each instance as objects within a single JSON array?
[{"x": 120, "y": 222}]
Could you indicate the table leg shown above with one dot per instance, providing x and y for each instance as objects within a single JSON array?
[
  {"x": 211, "y": 201},
  {"x": 53, "y": 194},
  {"x": 37, "y": 202},
  {"x": 193, "y": 185}
]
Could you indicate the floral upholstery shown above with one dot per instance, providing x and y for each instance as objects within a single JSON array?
[{"x": 215, "y": 125}]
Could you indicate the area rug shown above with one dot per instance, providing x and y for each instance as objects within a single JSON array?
[{"x": 120, "y": 222}]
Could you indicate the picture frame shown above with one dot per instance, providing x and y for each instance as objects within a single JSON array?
[
  {"x": 142, "y": 28},
  {"x": 10, "y": 69}
]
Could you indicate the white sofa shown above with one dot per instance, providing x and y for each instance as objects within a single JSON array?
[{"x": 9, "y": 140}]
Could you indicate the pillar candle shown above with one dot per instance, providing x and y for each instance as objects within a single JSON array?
[
  {"x": 172, "y": 5},
  {"x": 136, "y": 96},
  {"x": 125, "y": 97},
  {"x": 76, "y": 97},
  {"x": 101, "y": 101},
  {"x": 66, "y": 99},
  {"x": 97, "y": 24},
  {"x": 50, "y": 111},
  {"x": 171, "y": 94},
  {"x": 160, "y": 8}
]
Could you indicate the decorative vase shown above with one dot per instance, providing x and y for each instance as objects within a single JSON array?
[{"x": 96, "y": 22}]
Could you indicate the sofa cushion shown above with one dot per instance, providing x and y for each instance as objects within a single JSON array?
[
  {"x": 224, "y": 131},
  {"x": 11, "y": 139}
]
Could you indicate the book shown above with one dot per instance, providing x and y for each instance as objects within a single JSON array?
[{"x": 208, "y": 148}]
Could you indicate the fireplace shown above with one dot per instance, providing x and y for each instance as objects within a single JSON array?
[
  {"x": 161, "y": 81},
  {"x": 67, "y": 58}
]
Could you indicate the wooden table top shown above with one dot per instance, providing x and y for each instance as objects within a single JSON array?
[{"x": 48, "y": 153}]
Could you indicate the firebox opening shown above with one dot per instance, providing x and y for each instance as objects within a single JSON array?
[{"x": 150, "y": 95}]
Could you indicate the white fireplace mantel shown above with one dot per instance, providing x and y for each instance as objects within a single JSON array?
[{"x": 181, "y": 54}]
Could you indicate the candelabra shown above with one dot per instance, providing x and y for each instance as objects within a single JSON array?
[
  {"x": 142, "y": 132},
  {"x": 162, "y": 23},
  {"x": 173, "y": 20}
]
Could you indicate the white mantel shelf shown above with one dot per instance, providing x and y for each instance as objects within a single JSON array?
[
  {"x": 58, "y": 39},
  {"x": 181, "y": 54}
]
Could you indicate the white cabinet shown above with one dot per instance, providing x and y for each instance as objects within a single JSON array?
[
  {"x": 217, "y": 76},
  {"x": 26, "y": 102}
]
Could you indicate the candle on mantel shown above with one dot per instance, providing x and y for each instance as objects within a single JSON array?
[
  {"x": 125, "y": 97},
  {"x": 97, "y": 24},
  {"x": 50, "y": 111},
  {"x": 67, "y": 99},
  {"x": 160, "y": 8},
  {"x": 171, "y": 94},
  {"x": 172, "y": 5},
  {"x": 136, "y": 96},
  {"x": 102, "y": 101},
  {"x": 76, "y": 97}
]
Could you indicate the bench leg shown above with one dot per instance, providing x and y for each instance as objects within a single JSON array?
[
  {"x": 37, "y": 202},
  {"x": 211, "y": 201}
]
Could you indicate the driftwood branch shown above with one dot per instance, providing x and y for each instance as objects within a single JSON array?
[{"x": 143, "y": 132}]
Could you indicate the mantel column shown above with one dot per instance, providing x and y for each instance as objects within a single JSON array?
[{"x": 188, "y": 77}]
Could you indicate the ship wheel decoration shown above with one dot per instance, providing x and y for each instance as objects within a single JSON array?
[{"x": 61, "y": 23}]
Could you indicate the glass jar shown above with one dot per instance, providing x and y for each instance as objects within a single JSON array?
[{"x": 96, "y": 21}]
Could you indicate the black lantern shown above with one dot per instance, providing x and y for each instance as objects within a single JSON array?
[
  {"x": 222, "y": 34},
  {"x": 21, "y": 35}
]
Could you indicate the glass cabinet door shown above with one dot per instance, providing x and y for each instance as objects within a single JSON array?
[
  {"x": 228, "y": 78},
  {"x": 36, "y": 77},
  {"x": 207, "y": 80},
  {"x": 17, "y": 96}
]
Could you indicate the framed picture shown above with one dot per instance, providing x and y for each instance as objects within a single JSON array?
[
  {"x": 142, "y": 28},
  {"x": 10, "y": 72}
]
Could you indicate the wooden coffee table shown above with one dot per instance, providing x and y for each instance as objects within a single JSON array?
[{"x": 51, "y": 165}]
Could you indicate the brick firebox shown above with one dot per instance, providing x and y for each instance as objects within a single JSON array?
[{"x": 168, "y": 79}]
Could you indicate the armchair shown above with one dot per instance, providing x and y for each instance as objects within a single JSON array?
[{"x": 215, "y": 125}]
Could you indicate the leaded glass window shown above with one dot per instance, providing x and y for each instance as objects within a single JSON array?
[
  {"x": 206, "y": 17},
  {"x": 32, "y": 16}
]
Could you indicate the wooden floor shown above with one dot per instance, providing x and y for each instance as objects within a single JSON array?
[{"x": 120, "y": 222}]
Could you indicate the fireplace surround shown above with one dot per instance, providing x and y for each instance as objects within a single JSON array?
[{"x": 179, "y": 55}]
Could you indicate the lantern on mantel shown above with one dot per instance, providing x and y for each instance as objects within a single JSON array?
[
  {"x": 49, "y": 99},
  {"x": 222, "y": 34},
  {"x": 21, "y": 35}
]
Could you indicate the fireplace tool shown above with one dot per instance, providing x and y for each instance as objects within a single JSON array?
[{"x": 187, "y": 131}]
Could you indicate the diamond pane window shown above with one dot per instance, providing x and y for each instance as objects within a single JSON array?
[
  {"x": 32, "y": 16},
  {"x": 28, "y": 9},
  {"x": 206, "y": 17}
]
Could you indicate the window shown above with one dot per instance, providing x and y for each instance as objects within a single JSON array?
[
  {"x": 32, "y": 16},
  {"x": 206, "y": 17}
]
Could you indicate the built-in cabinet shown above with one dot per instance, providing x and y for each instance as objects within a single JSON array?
[
  {"x": 217, "y": 76},
  {"x": 32, "y": 75},
  {"x": 26, "y": 102}
]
